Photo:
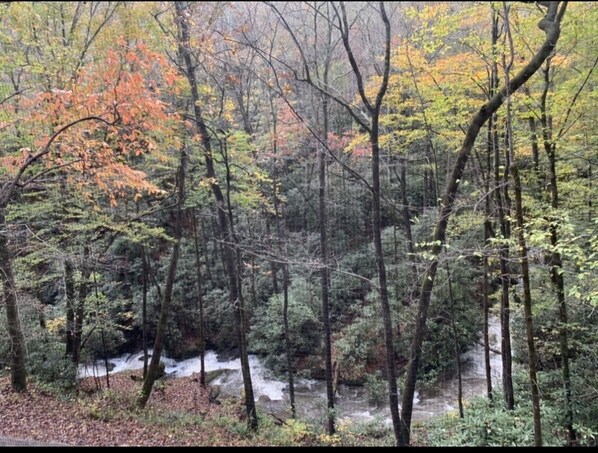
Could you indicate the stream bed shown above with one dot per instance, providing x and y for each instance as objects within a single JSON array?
[{"x": 352, "y": 402}]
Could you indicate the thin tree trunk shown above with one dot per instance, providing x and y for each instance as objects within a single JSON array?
[
  {"x": 80, "y": 310},
  {"x": 550, "y": 24},
  {"x": 505, "y": 283},
  {"x": 374, "y": 135},
  {"x": 209, "y": 262},
  {"x": 456, "y": 341},
  {"x": 102, "y": 332},
  {"x": 535, "y": 152},
  {"x": 287, "y": 338},
  {"x": 523, "y": 256},
  {"x": 280, "y": 236},
  {"x": 202, "y": 330},
  {"x": 241, "y": 313},
  {"x": 153, "y": 372},
  {"x": 69, "y": 294},
  {"x": 556, "y": 261},
  {"x": 501, "y": 191},
  {"x": 144, "y": 271},
  {"x": 273, "y": 264},
  {"x": 18, "y": 372},
  {"x": 485, "y": 265},
  {"x": 413, "y": 294},
  {"x": 527, "y": 305},
  {"x": 383, "y": 284},
  {"x": 224, "y": 229},
  {"x": 325, "y": 272}
]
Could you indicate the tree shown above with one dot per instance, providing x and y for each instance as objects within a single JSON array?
[
  {"x": 523, "y": 254},
  {"x": 97, "y": 153},
  {"x": 551, "y": 26},
  {"x": 226, "y": 229},
  {"x": 369, "y": 122},
  {"x": 153, "y": 372}
]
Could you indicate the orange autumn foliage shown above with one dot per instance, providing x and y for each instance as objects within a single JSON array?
[{"x": 124, "y": 94}]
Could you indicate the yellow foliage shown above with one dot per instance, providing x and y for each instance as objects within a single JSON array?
[
  {"x": 297, "y": 430},
  {"x": 56, "y": 325}
]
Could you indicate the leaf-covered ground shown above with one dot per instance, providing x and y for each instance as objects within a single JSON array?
[{"x": 178, "y": 413}]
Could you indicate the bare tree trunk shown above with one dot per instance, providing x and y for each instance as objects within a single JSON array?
[
  {"x": 550, "y": 24},
  {"x": 527, "y": 305},
  {"x": 153, "y": 372},
  {"x": 527, "y": 295},
  {"x": 280, "y": 236},
  {"x": 556, "y": 261},
  {"x": 413, "y": 293},
  {"x": 455, "y": 340},
  {"x": 80, "y": 310},
  {"x": 374, "y": 135},
  {"x": 225, "y": 229},
  {"x": 505, "y": 283},
  {"x": 241, "y": 313},
  {"x": 501, "y": 192},
  {"x": 18, "y": 372},
  {"x": 69, "y": 294},
  {"x": 202, "y": 330},
  {"x": 373, "y": 129},
  {"x": 486, "y": 269},
  {"x": 325, "y": 272},
  {"x": 535, "y": 152},
  {"x": 287, "y": 338},
  {"x": 144, "y": 310}
]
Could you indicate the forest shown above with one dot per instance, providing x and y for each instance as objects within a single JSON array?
[{"x": 370, "y": 195}]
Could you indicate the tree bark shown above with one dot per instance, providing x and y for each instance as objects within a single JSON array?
[
  {"x": 80, "y": 309},
  {"x": 523, "y": 256},
  {"x": 455, "y": 340},
  {"x": 18, "y": 372},
  {"x": 505, "y": 284},
  {"x": 325, "y": 272},
  {"x": 153, "y": 372},
  {"x": 225, "y": 230},
  {"x": 550, "y": 24},
  {"x": 144, "y": 326},
  {"x": 202, "y": 325},
  {"x": 556, "y": 262},
  {"x": 69, "y": 294},
  {"x": 486, "y": 268}
]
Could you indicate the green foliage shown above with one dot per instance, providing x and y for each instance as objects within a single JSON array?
[
  {"x": 47, "y": 362},
  {"x": 296, "y": 431},
  {"x": 106, "y": 320},
  {"x": 221, "y": 327},
  {"x": 349, "y": 288},
  {"x": 359, "y": 344},
  {"x": 267, "y": 334},
  {"x": 376, "y": 387},
  {"x": 488, "y": 423},
  {"x": 484, "y": 425}
]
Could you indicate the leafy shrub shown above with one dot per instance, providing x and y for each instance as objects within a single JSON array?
[
  {"x": 47, "y": 363},
  {"x": 267, "y": 335},
  {"x": 376, "y": 388}
]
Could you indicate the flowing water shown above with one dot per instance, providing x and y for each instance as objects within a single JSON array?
[{"x": 352, "y": 403}]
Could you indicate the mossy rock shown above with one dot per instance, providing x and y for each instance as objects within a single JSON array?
[{"x": 211, "y": 375}]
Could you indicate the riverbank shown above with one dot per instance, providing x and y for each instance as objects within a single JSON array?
[
  {"x": 179, "y": 413},
  {"x": 107, "y": 417}
]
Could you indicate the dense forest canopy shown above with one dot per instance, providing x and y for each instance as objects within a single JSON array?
[{"x": 351, "y": 191}]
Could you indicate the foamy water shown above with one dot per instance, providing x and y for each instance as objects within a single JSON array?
[{"x": 310, "y": 394}]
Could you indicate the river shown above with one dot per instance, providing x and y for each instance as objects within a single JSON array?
[{"x": 310, "y": 394}]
